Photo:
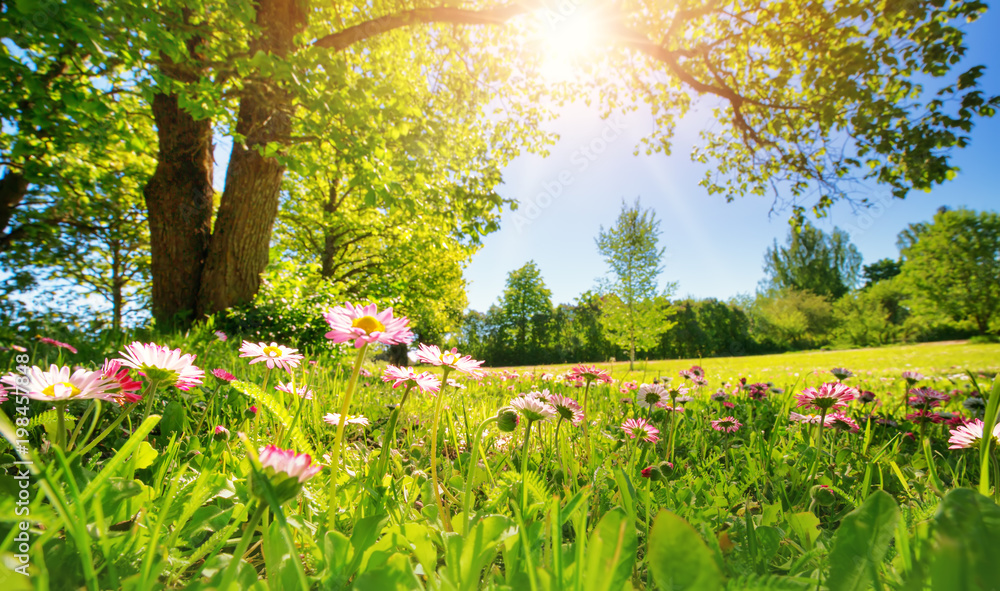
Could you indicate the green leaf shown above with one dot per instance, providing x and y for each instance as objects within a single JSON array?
[
  {"x": 118, "y": 460},
  {"x": 145, "y": 455},
  {"x": 806, "y": 527},
  {"x": 679, "y": 558},
  {"x": 861, "y": 542},
  {"x": 282, "y": 559},
  {"x": 611, "y": 552},
  {"x": 989, "y": 420},
  {"x": 966, "y": 542},
  {"x": 174, "y": 418},
  {"x": 396, "y": 574}
]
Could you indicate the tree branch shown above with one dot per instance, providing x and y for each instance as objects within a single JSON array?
[{"x": 437, "y": 14}]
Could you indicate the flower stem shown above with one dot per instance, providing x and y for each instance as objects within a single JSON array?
[
  {"x": 335, "y": 454},
  {"x": 524, "y": 467},
  {"x": 434, "y": 439},
  {"x": 121, "y": 417},
  {"x": 388, "y": 437},
  {"x": 586, "y": 429},
  {"x": 227, "y": 579},
  {"x": 61, "y": 426},
  {"x": 208, "y": 407},
  {"x": 469, "y": 479},
  {"x": 151, "y": 387}
]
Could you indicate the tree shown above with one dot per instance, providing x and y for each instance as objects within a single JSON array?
[
  {"x": 808, "y": 96},
  {"x": 872, "y": 316},
  {"x": 525, "y": 308},
  {"x": 633, "y": 311},
  {"x": 880, "y": 270},
  {"x": 795, "y": 319},
  {"x": 826, "y": 265},
  {"x": 952, "y": 266},
  {"x": 92, "y": 244}
]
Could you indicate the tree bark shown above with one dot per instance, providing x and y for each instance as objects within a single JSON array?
[
  {"x": 179, "y": 202},
  {"x": 13, "y": 188},
  {"x": 238, "y": 252}
]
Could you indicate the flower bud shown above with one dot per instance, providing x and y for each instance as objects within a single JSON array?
[
  {"x": 823, "y": 495},
  {"x": 507, "y": 419},
  {"x": 220, "y": 434},
  {"x": 286, "y": 471}
]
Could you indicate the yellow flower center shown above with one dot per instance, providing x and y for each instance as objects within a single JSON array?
[
  {"x": 448, "y": 358},
  {"x": 369, "y": 324},
  {"x": 272, "y": 352},
  {"x": 51, "y": 390}
]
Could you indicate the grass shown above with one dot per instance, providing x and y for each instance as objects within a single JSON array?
[{"x": 937, "y": 359}]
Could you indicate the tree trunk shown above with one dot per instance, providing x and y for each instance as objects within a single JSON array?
[
  {"x": 179, "y": 202},
  {"x": 13, "y": 188},
  {"x": 238, "y": 252},
  {"x": 330, "y": 239}
]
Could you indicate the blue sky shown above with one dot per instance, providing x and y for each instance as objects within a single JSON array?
[{"x": 713, "y": 249}]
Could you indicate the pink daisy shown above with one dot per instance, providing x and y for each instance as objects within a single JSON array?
[
  {"x": 221, "y": 336},
  {"x": 642, "y": 429},
  {"x": 808, "y": 419},
  {"x": 3, "y": 393},
  {"x": 912, "y": 377},
  {"x": 127, "y": 387},
  {"x": 842, "y": 422},
  {"x": 670, "y": 408},
  {"x": 275, "y": 460},
  {"x": 466, "y": 364},
  {"x": 726, "y": 424},
  {"x": 365, "y": 324},
  {"x": 589, "y": 373},
  {"x": 408, "y": 377},
  {"x": 302, "y": 391},
  {"x": 223, "y": 375},
  {"x": 220, "y": 430},
  {"x": 567, "y": 408},
  {"x": 970, "y": 434},
  {"x": 57, "y": 385},
  {"x": 332, "y": 418},
  {"x": 56, "y": 343},
  {"x": 533, "y": 409},
  {"x": 832, "y": 395},
  {"x": 162, "y": 364},
  {"x": 274, "y": 355},
  {"x": 927, "y": 398},
  {"x": 650, "y": 395}
]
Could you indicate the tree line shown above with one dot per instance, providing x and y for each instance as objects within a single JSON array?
[{"x": 816, "y": 293}]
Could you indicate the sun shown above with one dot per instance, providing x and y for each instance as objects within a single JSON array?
[{"x": 567, "y": 41}]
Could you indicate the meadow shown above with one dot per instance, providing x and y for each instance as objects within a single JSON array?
[{"x": 207, "y": 463}]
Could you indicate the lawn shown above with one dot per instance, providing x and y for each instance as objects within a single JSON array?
[{"x": 932, "y": 359}]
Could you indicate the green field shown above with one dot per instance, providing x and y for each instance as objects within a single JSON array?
[{"x": 931, "y": 359}]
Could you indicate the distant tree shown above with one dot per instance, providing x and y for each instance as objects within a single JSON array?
[
  {"x": 952, "y": 265},
  {"x": 880, "y": 270},
  {"x": 826, "y": 265},
  {"x": 795, "y": 318},
  {"x": 872, "y": 316},
  {"x": 526, "y": 306},
  {"x": 104, "y": 259},
  {"x": 634, "y": 312}
]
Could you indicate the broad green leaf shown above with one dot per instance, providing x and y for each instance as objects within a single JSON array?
[
  {"x": 806, "y": 527},
  {"x": 861, "y": 542},
  {"x": 145, "y": 455},
  {"x": 966, "y": 542},
  {"x": 611, "y": 552},
  {"x": 282, "y": 559},
  {"x": 395, "y": 574},
  {"x": 679, "y": 558}
]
